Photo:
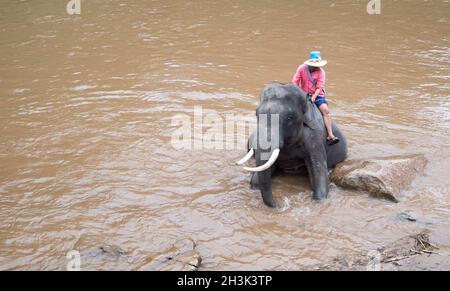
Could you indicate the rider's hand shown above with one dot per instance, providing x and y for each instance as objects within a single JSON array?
[{"x": 313, "y": 98}]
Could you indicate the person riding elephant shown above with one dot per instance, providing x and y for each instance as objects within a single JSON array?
[
  {"x": 310, "y": 76},
  {"x": 291, "y": 137}
]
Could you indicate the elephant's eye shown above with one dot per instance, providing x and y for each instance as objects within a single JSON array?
[{"x": 290, "y": 117}]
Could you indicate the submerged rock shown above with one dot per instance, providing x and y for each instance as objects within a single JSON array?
[
  {"x": 405, "y": 217},
  {"x": 181, "y": 256},
  {"x": 106, "y": 257},
  {"x": 382, "y": 177},
  {"x": 410, "y": 253}
]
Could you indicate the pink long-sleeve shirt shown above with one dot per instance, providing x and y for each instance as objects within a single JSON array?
[{"x": 301, "y": 78}]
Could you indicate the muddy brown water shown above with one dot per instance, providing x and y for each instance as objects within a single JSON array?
[{"x": 85, "y": 136}]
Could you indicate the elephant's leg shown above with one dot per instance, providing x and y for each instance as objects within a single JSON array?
[{"x": 318, "y": 175}]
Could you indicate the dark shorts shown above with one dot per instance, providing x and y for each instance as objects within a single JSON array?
[{"x": 321, "y": 100}]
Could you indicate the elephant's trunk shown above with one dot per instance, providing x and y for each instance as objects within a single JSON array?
[
  {"x": 265, "y": 183},
  {"x": 269, "y": 143}
]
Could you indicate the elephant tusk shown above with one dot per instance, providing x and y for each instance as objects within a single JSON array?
[
  {"x": 267, "y": 165},
  {"x": 247, "y": 157}
]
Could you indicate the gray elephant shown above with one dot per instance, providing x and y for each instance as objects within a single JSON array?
[{"x": 291, "y": 137}]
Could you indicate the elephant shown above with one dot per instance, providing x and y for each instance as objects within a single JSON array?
[{"x": 292, "y": 140}]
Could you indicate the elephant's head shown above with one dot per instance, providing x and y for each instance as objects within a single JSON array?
[{"x": 281, "y": 117}]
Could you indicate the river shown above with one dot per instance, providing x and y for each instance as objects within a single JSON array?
[{"x": 87, "y": 106}]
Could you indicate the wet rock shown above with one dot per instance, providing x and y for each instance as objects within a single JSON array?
[
  {"x": 428, "y": 262},
  {"x": 106, "y": 257},
  {"x": 411, "y": 216},
  {"x": 415, "y": 253},
  {"x": 406, "y": 247},
  {"x": 405, "y": 217},
  {"x": 112, "y": 250},
  {"x": 106, "y": 251},
  {"x": 440, "y": 237},
  {"x": 382, "y": 177},
  {"x": 412, "y": 252},
  {"x": 181, "y": 256}
]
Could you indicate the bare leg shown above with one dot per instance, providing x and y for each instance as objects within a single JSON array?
[{"x": 327, "y": 119}]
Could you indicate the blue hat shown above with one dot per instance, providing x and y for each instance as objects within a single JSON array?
[
  {"x": 314, "y": 54},
  {"x": 315, "y": 60}
]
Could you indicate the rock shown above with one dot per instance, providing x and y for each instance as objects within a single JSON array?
[
  {"x": 405, "y": 247},
  {"x": 410, "y": 216},
  {"x": 109, "y": 251},
  {"x": 113, "y": 250},
  {"x": 106, "y": 257},
  {"x": 440, "y": 238},
  {"x": 382, "y": 177},
  {"x": 405, "y": 217},
  {"x": 409, "y": 253},
  {"x": 181, "y": 256}
]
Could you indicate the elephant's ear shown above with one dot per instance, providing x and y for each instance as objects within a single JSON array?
[
  {"x": 308, "y": 118},
  {"x": 310, "y": 123},
  {"x": 303, "y": 100},
  {"x": 306, "y": 108}
]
